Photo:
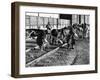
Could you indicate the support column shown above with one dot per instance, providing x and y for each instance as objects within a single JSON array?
[{"x": 79, "y": 19}]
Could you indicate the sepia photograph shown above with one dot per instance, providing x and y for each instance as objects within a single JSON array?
[{"x": 56, "y": 39}]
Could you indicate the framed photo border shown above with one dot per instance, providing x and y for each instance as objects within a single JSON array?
[{"x": 15, "y": 38}]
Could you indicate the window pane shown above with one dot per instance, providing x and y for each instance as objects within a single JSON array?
[
  {"x": 40, "y": 20},
  {"x": 33, "y": 20},
  {"x": 27, "y": 22}
]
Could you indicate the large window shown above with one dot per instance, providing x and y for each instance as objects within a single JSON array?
[{"x": 34, "y": 22}]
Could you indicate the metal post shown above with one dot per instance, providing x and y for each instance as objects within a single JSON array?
[
  {"x": 57, "y": 24},
  {"x": 38, "y": 21},
  {"x": 79, "y": 19},
  {"x": 84, "y": 19},
  {"x": 43, "y": 22}
]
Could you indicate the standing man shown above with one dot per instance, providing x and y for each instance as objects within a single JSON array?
[
  {"x": 84, "y": 30},
  {"x": 48, "y": 26},
  {"x": 49, "y": 38}
]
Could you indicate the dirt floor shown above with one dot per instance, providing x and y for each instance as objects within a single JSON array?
[{"x": 56, "y": 56}]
